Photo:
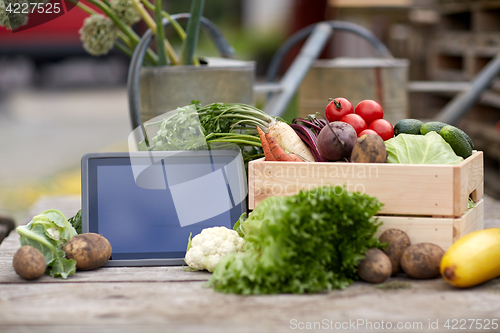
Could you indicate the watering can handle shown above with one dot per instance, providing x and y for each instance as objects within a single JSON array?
[
  {"x": 225, "y": 50},
  {"x": 317, "y": 36},
  {"x": 302, "y": 34}
]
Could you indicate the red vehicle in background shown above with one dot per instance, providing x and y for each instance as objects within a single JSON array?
[
  {"x": 54, "y": 39},
  {"x": 51, "y": 54}
]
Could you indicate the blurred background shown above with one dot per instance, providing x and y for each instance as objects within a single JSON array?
[{"x": 57, "y": 102}]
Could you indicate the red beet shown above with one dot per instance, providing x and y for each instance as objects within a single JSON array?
[{"x": 335, "y": 142}]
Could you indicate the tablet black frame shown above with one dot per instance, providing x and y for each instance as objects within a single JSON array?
[{"x": 88, "y": 201}]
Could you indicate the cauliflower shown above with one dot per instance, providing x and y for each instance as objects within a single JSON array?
[
  {"x": 208, "y": 247},
  {"x": 54, "y": 233}
]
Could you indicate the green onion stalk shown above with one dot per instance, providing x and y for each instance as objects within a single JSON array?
[
  {"x": 163, "y": 45},
  {"x": 189, "y": 43},
  {"x": 160, "y": 36},
  {"x": 99, "y": 37},
  {"x": 177, "y": 27}
]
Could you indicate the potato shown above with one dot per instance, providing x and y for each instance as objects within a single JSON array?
[
  {"x": 29, "y": 263},
  {"x": 369, "y": 148},
  {"x": 90, "y": 251},
  {"x": 376, "y": 267},
  {"x": 422, "y": 260},
  {"x": 398, "y": 242}
]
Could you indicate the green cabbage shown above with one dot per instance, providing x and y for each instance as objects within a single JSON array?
[
  {"x": 306, "y": 243},
  {"x": 420, "y": 149}
]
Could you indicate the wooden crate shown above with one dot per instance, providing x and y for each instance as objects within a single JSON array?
[
  {"x": 404, "y": 189},
  {"x": 442, "y": 231},
  {"x": 430, "y": 202}
]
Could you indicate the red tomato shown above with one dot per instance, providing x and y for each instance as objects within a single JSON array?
[
  {"x": 367, "y": 131},
  {"x": 337, "y": 108},
  {"x": 369, "y": 110},
  {"x": 355, "y": 121},
  {"x": 383, "y": 128}
]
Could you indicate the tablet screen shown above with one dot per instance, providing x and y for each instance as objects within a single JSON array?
[{"x": 155, "y": 221}]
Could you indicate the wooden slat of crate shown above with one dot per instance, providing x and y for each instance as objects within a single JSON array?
[
  {"x": 440, "y": 231},
  {"x": 404, "y": 189}
]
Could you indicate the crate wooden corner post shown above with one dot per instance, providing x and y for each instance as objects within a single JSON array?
[
  {"x": 429, "y": 201},
  {"x": 468, "y": 181}
]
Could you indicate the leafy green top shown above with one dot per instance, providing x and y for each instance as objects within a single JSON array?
[{"x": 304, "y": 243}]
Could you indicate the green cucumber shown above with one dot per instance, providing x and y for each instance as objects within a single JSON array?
[
  {"x": 431, "y": 126},
  {"x": 408, "y": 126},
  {"x": 456, "y": 140}
]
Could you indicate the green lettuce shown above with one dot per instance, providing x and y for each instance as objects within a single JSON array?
[
  {"x": 420, "y": 149},
  {"x": 49, "y": 232},
  {"x": 306, "y": 243}
]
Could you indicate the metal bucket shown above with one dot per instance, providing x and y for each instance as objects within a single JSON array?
[
  {"x": 381, "y": 79},
  {"x": 162, "y": 89}
]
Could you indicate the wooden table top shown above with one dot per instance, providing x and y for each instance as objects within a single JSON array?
[{"x": 169, "y": 299}]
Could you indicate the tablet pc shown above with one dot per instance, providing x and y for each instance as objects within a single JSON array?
[{"x": 148, "y": 203}]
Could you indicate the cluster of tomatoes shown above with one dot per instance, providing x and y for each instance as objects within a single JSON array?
[{"x": 366, "y": 118}]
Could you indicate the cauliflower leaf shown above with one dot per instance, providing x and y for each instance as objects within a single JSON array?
[{"x": 49, "y": 232}]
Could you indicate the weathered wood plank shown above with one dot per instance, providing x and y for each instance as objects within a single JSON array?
[
  {"x": 188, "y": 307},
  {"x": 103, "y": 274}
]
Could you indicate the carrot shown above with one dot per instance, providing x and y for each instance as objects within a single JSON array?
[
  {"x": 278, "y": 153},
  {"x": 295, "y": 158},
  {"x": 288, "y": 139},
  {"x": 265, "y": 145}
]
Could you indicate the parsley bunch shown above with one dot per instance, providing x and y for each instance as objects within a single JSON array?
[
  {"x": 306, "y": 243},
  {"x": 196, "y": 127}
]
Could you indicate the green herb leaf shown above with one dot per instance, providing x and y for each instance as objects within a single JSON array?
[{"x": 76, "y": 222}]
